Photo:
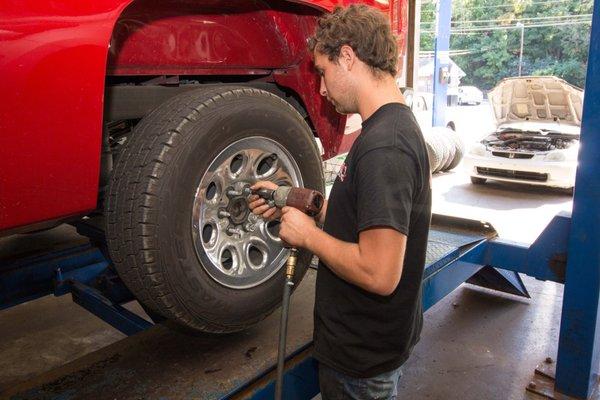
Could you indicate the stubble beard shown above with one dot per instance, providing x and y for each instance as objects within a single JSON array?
[{"x": 347, "y": 108}]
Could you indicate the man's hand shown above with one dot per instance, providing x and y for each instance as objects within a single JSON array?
[
  {"x": 259, "y": 206},
  {"x": 296, "y": 227}
]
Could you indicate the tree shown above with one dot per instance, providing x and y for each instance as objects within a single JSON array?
[{"x": 486, "y": 42}]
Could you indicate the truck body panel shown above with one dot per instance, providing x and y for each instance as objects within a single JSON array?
[{"x": 56, "y": 57}]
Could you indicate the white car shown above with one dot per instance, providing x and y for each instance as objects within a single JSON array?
[
  {"x": 421, "y": 104},
  {"x": 469, "y": 95},
  {"x": 537, "y": 136}
]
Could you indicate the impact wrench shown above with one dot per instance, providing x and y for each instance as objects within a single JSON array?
[{"x": 310, "y": 202}]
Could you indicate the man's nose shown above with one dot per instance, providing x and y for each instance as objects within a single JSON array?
[{"x": 322, "y": 89}]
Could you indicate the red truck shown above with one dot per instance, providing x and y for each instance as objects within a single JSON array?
[{"x": 152, "y": 116}]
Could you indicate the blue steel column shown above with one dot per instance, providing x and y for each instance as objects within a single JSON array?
[
  {"x": 579, "y": 343},
  {"x": 441, "y": 60}
]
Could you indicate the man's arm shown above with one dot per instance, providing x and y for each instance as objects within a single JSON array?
[
  {"x": 384, "y": 181},
  {"x": 374, "y": 263}
]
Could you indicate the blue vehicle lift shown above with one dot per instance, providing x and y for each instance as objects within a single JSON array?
[
  {"x": 567, "y": 252},
  {"x": 441, "y": 61},
  {"x": 83, "y": 271}
]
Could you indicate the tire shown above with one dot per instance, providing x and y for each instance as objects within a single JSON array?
[
  {"x": 441, "y": 149},
  {"x": 176, "y": 175},
  {"x": 459, "y": 150},
  {"x": 437, "y": 148},
  {"x": 448, "y": 143},
  {"x": 478, "y": 181},
  {"x": 433, "y": 153}
]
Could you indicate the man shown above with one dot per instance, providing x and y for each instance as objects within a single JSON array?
[{"x": 368, "y": 313}]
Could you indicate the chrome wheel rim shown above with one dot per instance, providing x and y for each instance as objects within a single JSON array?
[{"x": 235, "y": 247}]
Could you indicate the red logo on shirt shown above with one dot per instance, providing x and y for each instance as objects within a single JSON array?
[{"x": 342, "y": 172}]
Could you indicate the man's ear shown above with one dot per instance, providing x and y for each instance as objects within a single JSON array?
[{"x": 347, "y": 57}]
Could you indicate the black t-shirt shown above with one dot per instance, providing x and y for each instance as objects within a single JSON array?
[{"x": 385, "y": 181}]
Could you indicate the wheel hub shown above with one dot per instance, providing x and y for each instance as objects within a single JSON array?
[
  {"x": 236, "y": 247},
  {"x": 238, "y": 210}
]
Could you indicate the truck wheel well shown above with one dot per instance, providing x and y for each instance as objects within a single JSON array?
[
  {"x": 125, "y": 104},
  {"x": 127, "y": 101}
]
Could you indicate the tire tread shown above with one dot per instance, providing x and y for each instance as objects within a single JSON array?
[{"x": 134, "y": 198}]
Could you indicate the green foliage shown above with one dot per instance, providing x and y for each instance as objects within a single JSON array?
[
  {"x": 570, "y": 70},
  {"x": 559, "y": 47}
]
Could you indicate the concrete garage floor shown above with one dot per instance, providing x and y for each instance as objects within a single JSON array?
[{"x": 476, "y": 344}]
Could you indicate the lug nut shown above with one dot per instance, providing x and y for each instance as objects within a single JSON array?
[
  {"x": 248, "y": 226},
  {"x": 233, "y": 231},
  {"x": 247, "y": 191},
  {"x": 224, "y": 214}
]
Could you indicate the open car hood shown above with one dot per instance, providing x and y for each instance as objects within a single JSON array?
[{"x": 540, "y": 99}]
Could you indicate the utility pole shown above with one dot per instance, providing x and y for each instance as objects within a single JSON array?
[{"x": 520, "y": 25}]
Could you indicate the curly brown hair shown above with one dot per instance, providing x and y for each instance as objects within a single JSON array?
[{"x": 365, "y": 29}]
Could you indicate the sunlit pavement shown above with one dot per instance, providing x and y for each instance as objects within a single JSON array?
[{"x": 518, "y": 212}]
